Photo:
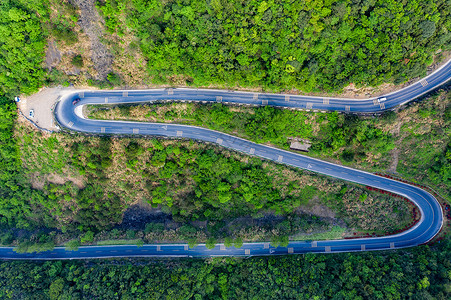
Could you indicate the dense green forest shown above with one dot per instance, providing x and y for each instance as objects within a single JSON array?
[
  {"x": 307, "y": 45},
  {"x": 22, "y": 42},
  {"x": 16, "y": 195},
  {"x": 419, "y": 273}
]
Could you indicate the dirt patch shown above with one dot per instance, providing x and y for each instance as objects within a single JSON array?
[
  {"x": 91, "y": 23},
  {"x": 38, "y": 181},
  {"x": 60, "y": 179},
  {"x": 395, "y": 160},
  {"x": 317, "y": 209}
]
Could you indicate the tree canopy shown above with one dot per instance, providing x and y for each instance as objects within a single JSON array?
[
  {"x": 22, "y": 42},
  {"x": 308, "y": 45}
]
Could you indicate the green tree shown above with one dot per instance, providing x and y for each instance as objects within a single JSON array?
[
  {"x": 73, "y": 245},
  {"x": 211, "y": 243},
  {"x": 238, "y": 243}
]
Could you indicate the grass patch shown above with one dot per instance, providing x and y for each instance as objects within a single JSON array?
[
  {"x": 119, "y": 242},
  {"x": 335, "y": 233}
]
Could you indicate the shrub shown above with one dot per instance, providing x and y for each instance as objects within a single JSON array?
[
  {"x": 347, "y": 156},
  {"x": 87, "y": 237},
  {"x": 154, "y": 227},
  {"x": 130, "y": 234},
  {"x": 238, "y": 242},
  {"x": 77, "y": 61},
  {"x": 228, "y": 242},
  {"x": 114, "y": 79},
  {"x": 73, "y": 245},
  {"x": 211, "y": 243}
]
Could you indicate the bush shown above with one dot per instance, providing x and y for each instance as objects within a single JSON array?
[
  {"x": 114, "y": 79},
  {"x": 228, "y": 242},
  {"x": 131, "y": 234},
  {"x": 211, "y": 243},
  {"x": 192, "y": 242},
  {"x": 154, "y": 227},
  {"x": 6, "y": 238},
  {"x": 275, "y": 241},
  {"x": 363, "y": 197},
  {"x": 77, "y": 61},
  {"x": 347, "y": 156},
  {"x": 284, "y": 241},
  {"x": 64, "y": 33},
  {"x": 73, "y": 245},
  {"x": 238, "y": 242},
  {"x": 88, "y": 237},
  {"x": 31, "y": 247}
]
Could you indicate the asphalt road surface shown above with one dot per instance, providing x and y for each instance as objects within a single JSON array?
[{"x": 431, "y": 221}]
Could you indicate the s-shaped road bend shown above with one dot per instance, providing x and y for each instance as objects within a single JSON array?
[{"x": 70, "y": 116}]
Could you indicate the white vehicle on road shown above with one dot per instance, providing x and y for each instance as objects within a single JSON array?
[
  {"x": 31, "y": 114},
  {"x": 382, "y": 99}
]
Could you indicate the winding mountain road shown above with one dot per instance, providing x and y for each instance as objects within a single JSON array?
[{"x": 431, "y": 221}]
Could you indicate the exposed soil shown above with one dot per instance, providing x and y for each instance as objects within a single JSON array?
[
  {"x": 317, "y": 209},
  {"x": 91, "y": 23},
  {"x": 38, "y": 181},
  {"x": 395, "y": 160},
  {"x": 59, "y": 179}
]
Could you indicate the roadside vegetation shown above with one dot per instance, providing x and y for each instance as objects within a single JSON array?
[
  {"x": 414, "y": 143},
  {"x": 80, "y": 186},
  {"x": 332, "y": 134}
]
